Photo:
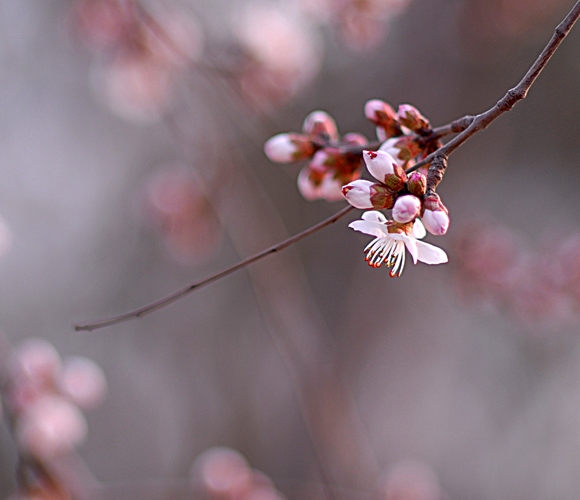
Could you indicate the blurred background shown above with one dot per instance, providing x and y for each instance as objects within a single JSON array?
[{"x": 132, "y": 163}]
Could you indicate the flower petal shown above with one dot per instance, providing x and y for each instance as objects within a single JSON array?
[
  {"x": 374, "y": 215},
  {"x": 430, "y": 254},
  {"x": 379, "y": 164},
  {"x": 358, "y": 193},
  {"x": 419, "y": 231},
  {"x": 410, "y": 243},
  {"x": 370, "y": 227}
]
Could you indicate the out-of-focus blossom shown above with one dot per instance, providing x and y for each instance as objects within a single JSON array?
[
  {"x": 390, "y": 242},
  {"x": 42, "y": 394},
  {"x": 284, "y": 53},
  {"x": 140, "y": 54},
  {"x": 35, "y": 360},
  {"x": 361, "y": 25},
  {"x": 50, "y": 426},
  {"x": 410, "y": 480},
  {"x": 178, "y": 207},
  {"x": 225, "y": 474},
  {"x": 334, "y": 162},
  {"x": 83, "y": 381}
]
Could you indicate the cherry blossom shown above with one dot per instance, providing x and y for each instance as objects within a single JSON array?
[{"x": 390, "y": 242}]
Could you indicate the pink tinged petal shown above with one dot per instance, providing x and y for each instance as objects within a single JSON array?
[
  {"x": 320, "y": 125},
  {"x": 379, "y": 164},
  {"x": 358, "y": 194},
  {"x": 372, "y": 228},
  {"x": 389, "y": 147},
  {"x": 281, "y": 149},
  {"x": 419, "y": 231},
  {"x": 410, "y": 243},
  {"x": 83, "y": 381},
  {"x": 406, "y": 208},
  {"x": 331, "y": 188},
  {"x": 355, "y": 139},
  {"x": 436, "y": 222},
  {"x": 308, "y": 189},
  {"x": 381, "y": 134},
  {"x": 319, "y": 161},
  {"x": 430, "y": 254},
  {"x": 375, "y": 216}
]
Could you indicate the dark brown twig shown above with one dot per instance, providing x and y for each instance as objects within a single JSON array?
[
  {"x": 143, "y": 311},
  {"x": 512, "y": 97},
  {"x": 467, "y": 126}
]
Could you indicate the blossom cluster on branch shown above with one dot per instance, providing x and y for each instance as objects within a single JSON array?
[
  {"x": 43, "y": 397},
  {"x": 334, "y": 169}
]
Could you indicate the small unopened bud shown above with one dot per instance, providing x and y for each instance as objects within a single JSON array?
[
  {"x": 435, "y": 215},
  {"x": 385, "y": 169},
  {"x": 358, "y": 194},
  {"x": 321, "y": 160},
  {"x": 406, "y": 208},
  {"x": 354, "y": 139},
  {"x": 402, "y": 149},
  {"x": 331, "y": 188},
  {"x": 411, "y": 117},
  {"x": 384, "y": 117},
  {"x": 320, "y": 126},
  {"x": 288, "y": 148},
  {"x": 417, "y": 184},
  {"x": 309, "y": 184}
]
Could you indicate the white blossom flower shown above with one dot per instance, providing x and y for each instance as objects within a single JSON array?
[{"x": 391, "y": 240}]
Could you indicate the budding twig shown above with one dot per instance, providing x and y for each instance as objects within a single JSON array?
[
  {"x": 466, "y": 127},
  {"x": 511, "y": 98},
  {"x": 159, "y": 304}
]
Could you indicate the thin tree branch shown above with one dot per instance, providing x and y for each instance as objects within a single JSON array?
[
  {"x": 512, "y": 97},
  {"x": 467, "y": 126},
  {"x": 159, "y": 304}
]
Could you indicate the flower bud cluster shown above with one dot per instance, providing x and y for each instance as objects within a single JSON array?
[
  {"x": 332, "y": 162},
  {"x": 405, "y": 133},
  {"x": 224, "y": 474},
  {"x": 44, "y": 396},
  {"x": 393, "y": 189}
]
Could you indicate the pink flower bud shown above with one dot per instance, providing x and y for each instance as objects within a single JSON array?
[
  {"x": 384, "y": 117},
  {"x": 436, "y": 222},
  {"x": 83, "y": 381},
  {"x": 365, "y": 194},
  {"x": 411, "y": 117},
  {"x": 222, "y": 472},
  {"x": 320, "y": 126},
  {"x": 288, "y": 148},
  {"x": 435, "y": 215},
  {"x": 35, "y": 360},
  {"x": 417, "y": 184},
  {"x": 406, "y": 208},
  {"x": 50, "y": 427},
  {"x": 331, "y": 188},
  {"x": 309, "y": 184},
  {"x": 358, "y": 194},
  {"x": 321, "y": 160},
  {"x": 354, "y": 139},
  {"x": 385, "y": 169}
]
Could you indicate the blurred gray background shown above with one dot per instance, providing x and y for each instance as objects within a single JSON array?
[{"x": 490, "y": 404}]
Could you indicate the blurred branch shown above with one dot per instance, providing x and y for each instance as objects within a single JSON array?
[
  {"x": 159, "y": 304},
  {"x": 511, "y": 98}
]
